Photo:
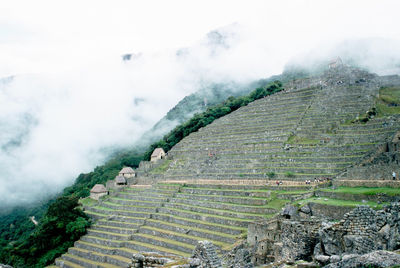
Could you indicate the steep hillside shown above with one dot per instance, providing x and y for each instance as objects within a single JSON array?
[
  {"x": 308, "y": 131},
  {"x": 218, "y": 180}
]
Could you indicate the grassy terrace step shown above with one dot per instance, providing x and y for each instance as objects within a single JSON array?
[
  {"x": 202, "y": 224},
  {"x": 149, "y": 191},
  {"x": 116, "y": 206},
  {"x": 198, "y": 232},
  {"x": 102, "y": 241},
  {"x": 146, "y": 247},
  {"x": 340, "y": 202},
  {"x": 227, "y": 199},
  {"x": 86, "y": 263},
  {"x": 179, "y": 237},
  {"x": 66, "y": 264},
  {"x": 213, "y": 211},
  {"x": 122, "y": 224},
  {"x": 142, "y": 197},
  {"x": 164, "y": 242},
  {"x": 109, "y": 211},
  {"x": 226, "y": 206},
  {"x": 226, "y": 192},
  {"x": 142, "y": 203},
  {"x": 108, "y": 235},
  {"x": 240, "y": 176},
  {"x": 112, "y": 229},
  {"x": 100, "y": 257},
  {"x": 121, "y": 251},
  {"x": 205, "y": 217}
]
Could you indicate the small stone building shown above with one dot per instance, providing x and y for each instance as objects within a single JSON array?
[
  {"x": 98, "y": 191},
  {"x": 335, "y": 63},
  {"x": 158, "y": 153},
  {"x": 120, "y": 180},
  {"x": 127, "y": 172}
]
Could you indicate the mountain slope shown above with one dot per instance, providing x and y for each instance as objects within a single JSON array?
[{"x": 221, "y": 178}]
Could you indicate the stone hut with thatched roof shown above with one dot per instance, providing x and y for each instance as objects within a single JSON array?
[
  {"x": 158, "y": 153},
  {"x": 127, "y": 172},
  {"x": 120, "y": 180},
  {"x": 98, "y": 191}
]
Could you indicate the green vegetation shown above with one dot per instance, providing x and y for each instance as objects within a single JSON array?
[
  {"x": 365, "y": 190},
  {"x": 293, "y": 139},
  {"x": 338, "y": 202},
  {"x": 289, "y": 174},
  {"x": 388, "y": 102},
  {"x": 161, "y": 168},
  {"x": 203, "y": 119},
  {"x": 271, "y": 174},
  {"x": 63, "y": 223}
]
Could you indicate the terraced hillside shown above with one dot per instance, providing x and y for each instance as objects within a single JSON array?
[
  {"x": 171, "y": 218},
  {"x": 219, "y": 179},
  {"x": 301, "y": 133}
]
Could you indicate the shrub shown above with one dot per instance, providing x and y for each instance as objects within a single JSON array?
[{"x": 289, "y": 174}]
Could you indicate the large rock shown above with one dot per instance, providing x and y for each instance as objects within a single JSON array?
[
  {"x": 379, "y": 258},
  {"x": 206, "y": 252}
]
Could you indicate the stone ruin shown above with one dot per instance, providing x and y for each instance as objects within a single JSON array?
[
  {"x": 361, "y": 231},
  {"x": 204, "y": 256}
]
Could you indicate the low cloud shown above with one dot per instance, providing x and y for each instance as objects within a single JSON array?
[{"x": 72, "y": 98}]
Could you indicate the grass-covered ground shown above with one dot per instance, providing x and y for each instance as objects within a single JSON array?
[{"x": 365, "y": 190}]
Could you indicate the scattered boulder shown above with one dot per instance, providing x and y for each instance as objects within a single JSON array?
[
  {"x": 379, "y": 258},
  {"x": 206, "y": 252},
  {"x": 289, "y": 212}
]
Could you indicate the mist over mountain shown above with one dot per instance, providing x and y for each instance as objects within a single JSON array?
[{"x": 68, "y": 100}]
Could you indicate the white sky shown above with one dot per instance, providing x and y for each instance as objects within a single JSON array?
[{"x": 48, "y": 35}]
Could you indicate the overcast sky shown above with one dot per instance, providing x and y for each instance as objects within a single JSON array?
[
  {"x": 49, "y": 35},
  {"x": 73, "y": 98}
]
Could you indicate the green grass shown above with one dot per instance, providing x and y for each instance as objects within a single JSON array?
[
  {"x": 293, "y": 139},
  {"x": 388, "y": 102},
  {"x": 339, "y": 202},
  {"x": 87, "y": 202},
  {"x": 161, "y": 168},
  {"x": 366, "y": 190}
]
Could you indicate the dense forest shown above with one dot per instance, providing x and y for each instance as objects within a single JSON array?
[{"x": 61, "y": 220}]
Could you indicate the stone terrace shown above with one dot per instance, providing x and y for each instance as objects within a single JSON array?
[
  {"x": 170, "y": 218},
  {"x": 300, "y": 133}
]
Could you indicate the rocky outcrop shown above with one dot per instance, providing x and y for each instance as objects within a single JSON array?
[
  {"x": 379, "y": 258},
  {"x": 298, "y": 240},
  {"x": 205, "y": 251},
  {"x": 361, "y": 231},
  {"x": 5, "y": 266},
  {"x": 239, "y": 257}
]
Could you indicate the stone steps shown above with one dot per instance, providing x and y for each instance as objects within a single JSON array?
[
  {"x": 122, "y": 251},
  {"x": 220, "y": 212},
  {"x": 179, "y": 237},
  {"x": 108, "y": 235},
  {"x": 157, "y": 240},
  {"x": 118, "y": 261},
  {"x": 150, "y": 247},
  {"x": 121, "y": 224},
  {"x": 228, "y": 207},
  {"x": 134, "y": 202},
  {"x": 142, "y": 197},
  {"x": 202, "y": 224},
  {"x": 225, "y": 192},
  {"x": 198, "y": 232},
  {"x": 115, "y": 206},
  {"x": 225, "y": 199},
  {"x": 85, "y": 262},
  {"x": 205, "y": 217},
  {"x": 107, "y": 211},
  {"x": 112, "y": 229},
  {"x": 66, "y": 264}
]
